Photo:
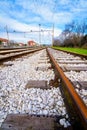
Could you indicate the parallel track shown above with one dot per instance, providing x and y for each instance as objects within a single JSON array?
[
  {"x": 17, "y": 53},
  {"x": 15, "y": 48},
  {"x": 11, "y": 51}
]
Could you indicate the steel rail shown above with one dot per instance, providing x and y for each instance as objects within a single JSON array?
[
  {"x": 7, "y": 48},
  {"x": 2, "y": 59},
  {"x": 78, "y": 102},
  {"x": 15, "y": 50},
  {"x": 11, "y": 51}
]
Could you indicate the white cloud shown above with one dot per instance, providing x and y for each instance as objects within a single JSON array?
[
  {"x": 64, "y": 2},
  {"x": 16, "y": 25},
  {"x": 25, "y": 15},
  {"x": 57, "y": 32},
  {"x": 46, "y": 11},
  {"x": 62, "y": 18},
  {"x": 21, "y": 37}
]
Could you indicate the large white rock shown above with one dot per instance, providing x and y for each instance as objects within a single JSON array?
[
  {"x": 59, "y": 103},
  {"x": 51, "y": 102},
  {"x": 45, "y": 112},
  {"x": 39, "y": 99},
  {"x": 29, "y": 106},
  {"x": 62, "y": 121}
]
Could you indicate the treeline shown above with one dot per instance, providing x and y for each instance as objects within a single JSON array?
[{"x": 74, "y": 35}]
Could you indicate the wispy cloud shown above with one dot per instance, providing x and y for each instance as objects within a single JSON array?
[{"x": 25, "y": 15}]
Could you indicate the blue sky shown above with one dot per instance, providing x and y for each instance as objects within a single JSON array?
[{"x": 26, "y": 15}]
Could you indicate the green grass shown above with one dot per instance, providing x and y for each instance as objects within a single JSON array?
[{"x": 75, "y": 50}]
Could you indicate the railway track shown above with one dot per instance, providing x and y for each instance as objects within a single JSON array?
[
  {"x": 6, "y": 55},
  {"x": 12, "y": 51},
  {"x": 15, "y": 48},
  {"x": 39, "y": 93},
  {"x": 5, "y": 51},
  {"x": 75, "y": 68},
  {"x": 73, "y": 71}
]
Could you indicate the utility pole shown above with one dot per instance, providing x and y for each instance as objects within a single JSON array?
[
  {"x": 39, "y": 34},
  {"x": 53, "y": 35},
  {"x": 7, "y": 35}
]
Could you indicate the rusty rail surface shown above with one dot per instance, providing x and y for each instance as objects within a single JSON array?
[{"x": 78, "y": 102}]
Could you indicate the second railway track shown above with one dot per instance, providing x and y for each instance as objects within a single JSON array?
[
  {"x": 6, "y": 55},
  {"x": 32, "y": 94}
]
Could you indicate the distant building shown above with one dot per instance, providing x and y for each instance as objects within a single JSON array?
[
  {"x": 31, "y": 43},
  {"x": 4, "y": 42},
  {"x": 21, "y": 44}
]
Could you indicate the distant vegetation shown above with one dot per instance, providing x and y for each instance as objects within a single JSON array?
[
  {"x": 0, "y": 42},
  {"x": 74, "y": 35}
]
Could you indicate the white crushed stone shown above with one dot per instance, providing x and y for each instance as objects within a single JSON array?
[{"x": 14, "y": 98}]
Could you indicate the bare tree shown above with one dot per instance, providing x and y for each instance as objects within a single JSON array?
[
  {"x": 56, "y": 42},
  {"x": 74, "y": 32}
]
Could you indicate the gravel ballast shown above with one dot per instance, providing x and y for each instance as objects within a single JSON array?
[{"x": 14, "y": 98}]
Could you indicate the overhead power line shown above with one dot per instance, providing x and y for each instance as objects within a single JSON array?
[
  {"x": 31, "y": 31},
  {"x": 36, "y": 31},
  {"x": 39, "y": 31}
]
